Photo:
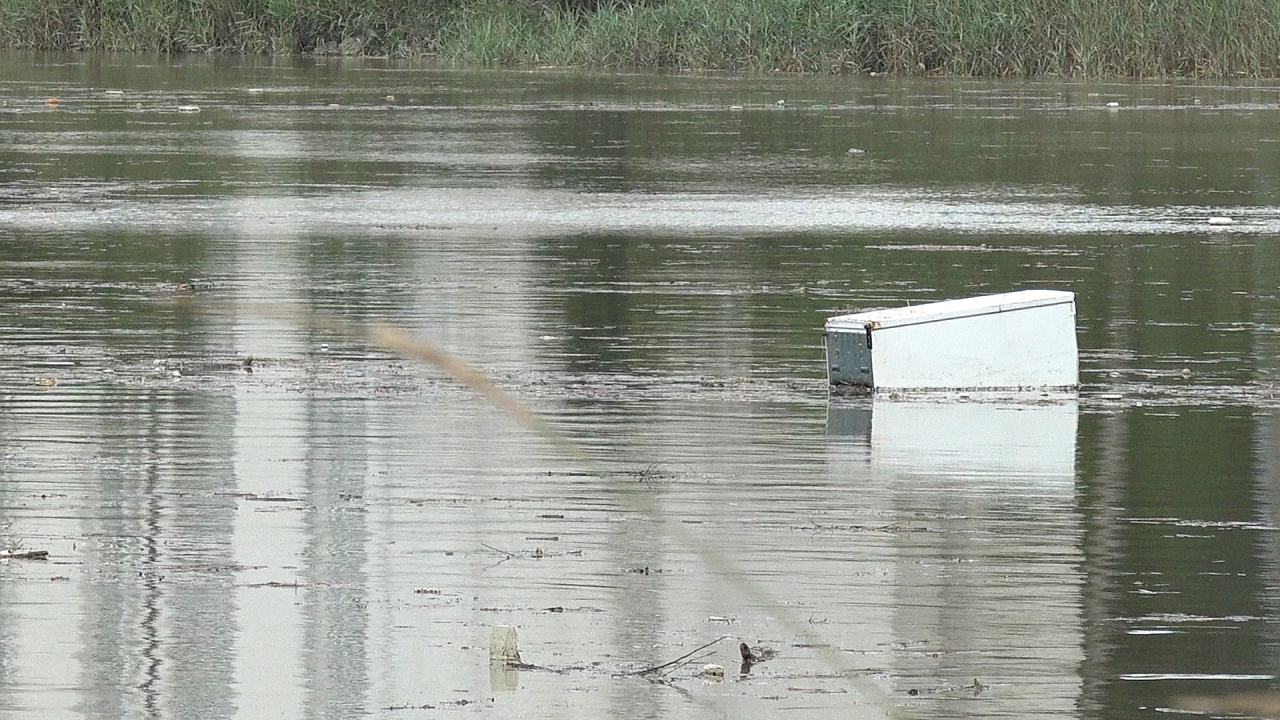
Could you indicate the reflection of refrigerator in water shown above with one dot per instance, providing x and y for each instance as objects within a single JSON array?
[{"x": 987, "y": 588}]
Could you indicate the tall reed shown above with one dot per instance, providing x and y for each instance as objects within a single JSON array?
[
  {"x": 1093, "y": 38},
  {"x": 1129, "y": 38}
]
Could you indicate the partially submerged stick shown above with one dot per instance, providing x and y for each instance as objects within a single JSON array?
[
  {"x": 24, "y": 555},
  {"x": 685, "y": 656}
]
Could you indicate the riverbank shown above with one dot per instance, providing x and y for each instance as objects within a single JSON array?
[{"x": 995, "y": 38}]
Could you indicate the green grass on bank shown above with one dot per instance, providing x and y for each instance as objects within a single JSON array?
[{"x": 1094, "y": 38}]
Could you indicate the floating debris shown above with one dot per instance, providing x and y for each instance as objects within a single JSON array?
[
  {"x": 1016, "y": 321},
  {"x": 276, "y": 584},
  {"x": 759, "y": 655},
  {"x": 712, "y": 672},
  {"x": 855, "y": 151},
  {"x": 1221, "y": 220},
  {"x": 681, "y": 661},
  {"x": 189, "y": 109},
  {"x": 24, "y": 555},
  {"x": 504, "y": 646}
]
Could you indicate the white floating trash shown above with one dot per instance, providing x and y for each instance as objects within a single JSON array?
[
  {"x": 504, "y": 646},
  {"x": 712, "y": 672},
  {"x": 1023, "y": 340}
]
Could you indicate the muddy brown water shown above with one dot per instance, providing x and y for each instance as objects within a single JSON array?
[{"x": 646, "y": 261}]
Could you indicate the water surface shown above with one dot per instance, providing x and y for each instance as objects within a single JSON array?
[{"x": 646, "y": 260}]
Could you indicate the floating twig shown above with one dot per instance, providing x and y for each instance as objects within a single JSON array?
[
  {"x": 24, "y": 555},
  {"x": 687, "y": 655},
  {"x": 499, "y": 551}
]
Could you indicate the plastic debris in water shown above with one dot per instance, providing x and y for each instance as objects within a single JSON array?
[
  {"x": 504, "y": 646},
  {"x": 760, "y": 654}
]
